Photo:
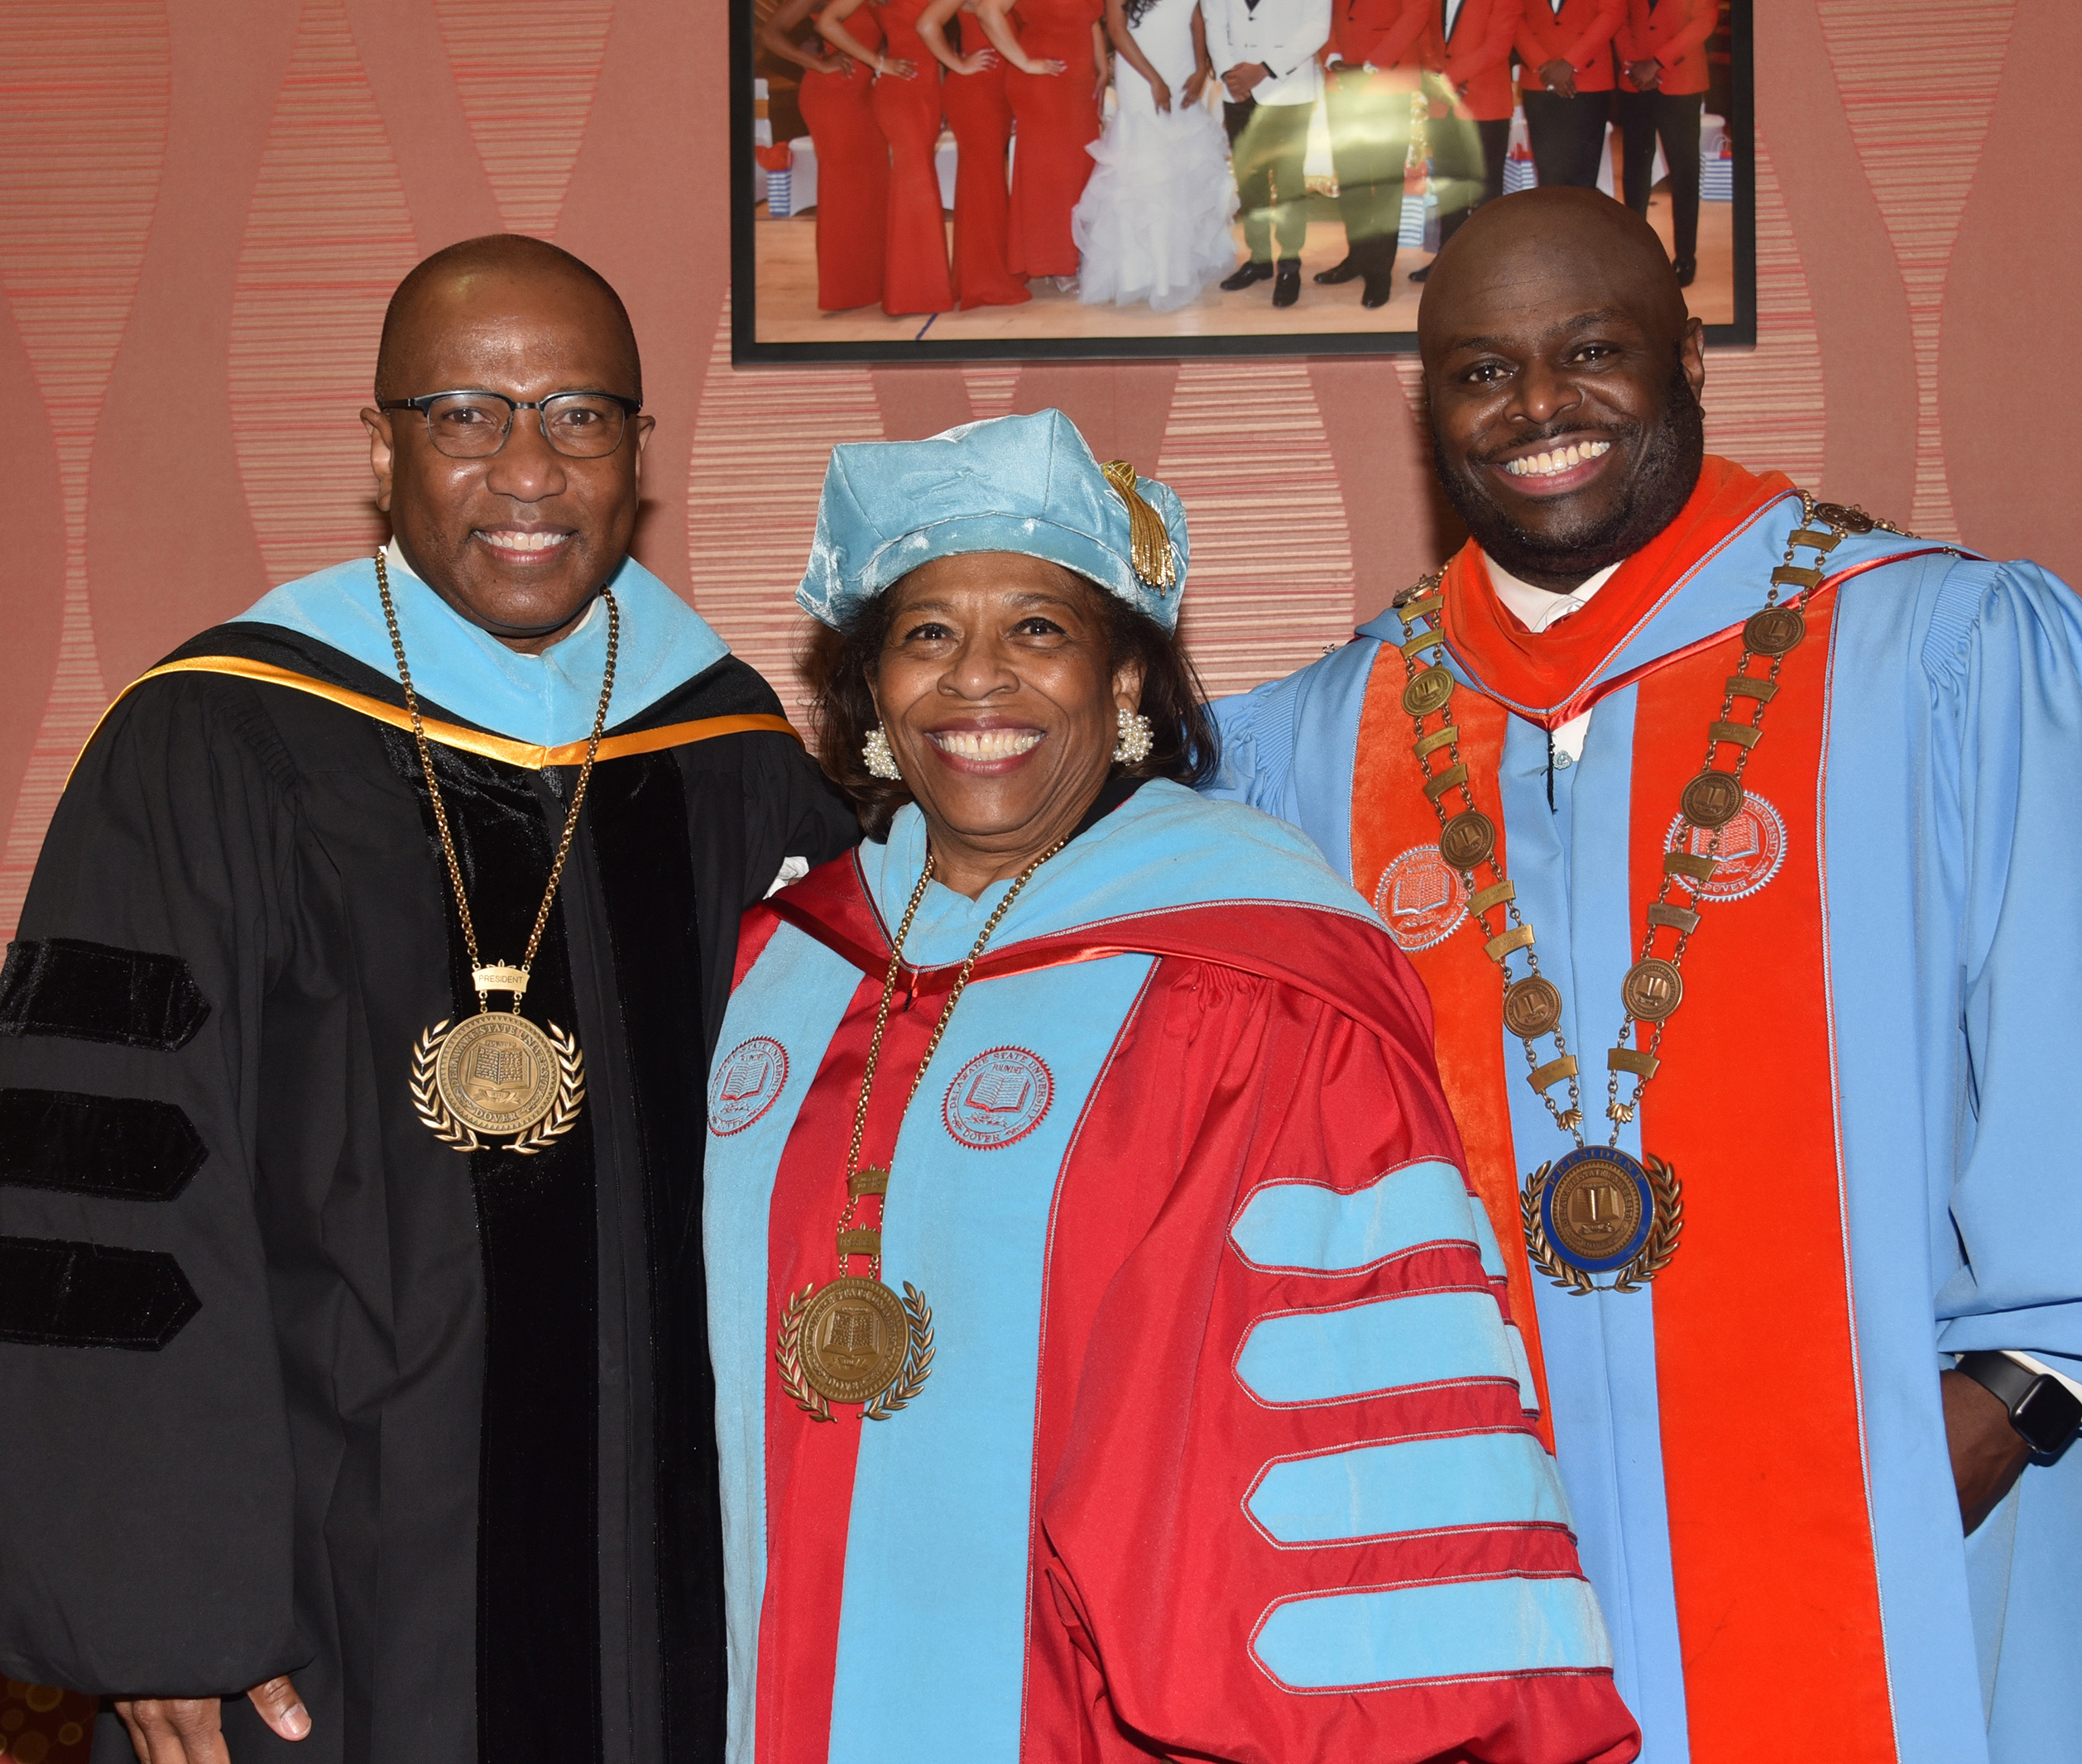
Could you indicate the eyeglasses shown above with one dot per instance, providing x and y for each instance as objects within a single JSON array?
[{"x": 474, "y": 425}]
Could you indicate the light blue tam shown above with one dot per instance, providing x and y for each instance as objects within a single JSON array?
[{"x": 1025, "y": 484}]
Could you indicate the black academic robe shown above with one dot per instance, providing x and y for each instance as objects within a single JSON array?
[{"x": 288, "y": 1385}]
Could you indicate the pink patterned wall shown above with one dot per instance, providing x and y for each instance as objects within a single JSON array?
[{"x": 205, "y": 203}]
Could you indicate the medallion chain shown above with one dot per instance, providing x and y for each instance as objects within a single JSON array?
[
  {"x": 498, "y": 1073},
  {"x": 1615, "y": 1201}
]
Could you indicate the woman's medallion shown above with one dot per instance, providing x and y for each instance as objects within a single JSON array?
[{"x": 854, "y": 1340}]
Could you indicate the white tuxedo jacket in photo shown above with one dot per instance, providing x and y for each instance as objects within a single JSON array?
[{"x": 1284, "y": 35}]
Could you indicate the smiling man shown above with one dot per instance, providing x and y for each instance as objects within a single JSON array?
[
  {"x": 353, "y": 1324},
  {"x": 1727, "y": 828}
]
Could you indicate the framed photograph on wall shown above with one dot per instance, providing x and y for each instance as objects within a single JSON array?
[{"x": 935, "y": 180}]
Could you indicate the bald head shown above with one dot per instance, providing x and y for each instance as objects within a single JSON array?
[
  {"x": 1539, "y": 241},
  {"x": 1562, "y": 374},
  {"x": 470, "y": 285},
  {"x": 519, "y": 535}
]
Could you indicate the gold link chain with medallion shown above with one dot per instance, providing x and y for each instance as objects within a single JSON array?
[
  {"x": 1597, "y": 1211},
  {"x": 853, "y": 1340},
  {"x": 495, "y": 1074}
]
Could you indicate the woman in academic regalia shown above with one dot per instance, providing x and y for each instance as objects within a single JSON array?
[
  {"x": 852, "y": 159},
  {"x": 906, "y": 101},
  {"x": 1111, "y": 1360},
  {"x": 981, "y": 116},
  {"x": 1058, "y": 75}
]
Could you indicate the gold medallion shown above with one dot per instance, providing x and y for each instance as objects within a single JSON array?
[
  {"x": 853, "y": 1337},
  {"x": 1776, "y": 631},
  {"x": 853, "y": 1340},
  {"x": 1531, "y": 1007},
  {"x": 1467, "y": 839},
  {"x": 1595, "y": 1211},
  {"x": 1599, "y": 1211},
  {"x": 1652, "y": 989},
  {"x": 496, "y": 1072},
  {"x": 1427, "y": 691},
  {"x": 1712, "y": 799}
]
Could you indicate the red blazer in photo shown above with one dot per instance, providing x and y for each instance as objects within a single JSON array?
[
  {"x": 1673, "y": 32},
  {"x": 1393, "y": 36},
  {"x": 1577, "y": 32},
  {"x": 1474, "y": 39}
]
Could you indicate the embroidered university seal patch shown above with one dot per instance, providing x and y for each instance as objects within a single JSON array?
[
  {"x": 747, "y": 1081},
  {"x": 1753, "y": 846},
  {"x": 998, "y": 1097},
  {"x": 1421, "y": 899}
]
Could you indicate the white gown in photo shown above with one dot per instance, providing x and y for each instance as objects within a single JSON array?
[{"x": 1152, "y": 224}]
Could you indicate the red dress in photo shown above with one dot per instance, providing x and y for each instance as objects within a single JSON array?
[
  {"x": 1059, "y": 120},
  {"x": 852, "y": 175},
  {"x": 981, "y": 116},
  {"x": 914, "y": 271}
]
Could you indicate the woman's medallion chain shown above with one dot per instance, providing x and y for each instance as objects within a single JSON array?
[
  {"x": 497, "y": 1074},
  {"x": 1597, "y": 1210},
  {"x": 852, "y": 1340}
]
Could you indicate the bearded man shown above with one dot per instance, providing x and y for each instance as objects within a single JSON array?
[
  {"x": 1732, "y": 831},
  {"x": 352, "y": 1335}
]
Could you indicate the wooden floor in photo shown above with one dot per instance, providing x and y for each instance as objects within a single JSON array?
[{"x": 787, "y": 268}]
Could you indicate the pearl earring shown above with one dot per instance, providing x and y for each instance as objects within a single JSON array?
[
  {"x": 875, "y": 751},
  {"x": 1135, "y": 739}
]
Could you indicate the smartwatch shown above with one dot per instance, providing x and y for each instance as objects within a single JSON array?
[{"x": 2044, "y": 1411}]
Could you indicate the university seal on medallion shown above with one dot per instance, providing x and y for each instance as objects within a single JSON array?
[
  {"x": 1420, "y": 898},
  {"x": 748, "y": 1081},
  {"x": 1000, "y": 1096},
  {"x": 1597, "y": 1211}
]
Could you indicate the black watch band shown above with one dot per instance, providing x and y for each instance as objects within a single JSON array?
[{"x": 2044, "y": 1411}]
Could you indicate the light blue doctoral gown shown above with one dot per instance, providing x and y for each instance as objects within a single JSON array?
[{"x": 1952, "y": 800}]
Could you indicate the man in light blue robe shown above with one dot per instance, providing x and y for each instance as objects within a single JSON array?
[{"x": 1867, "y": 1340}]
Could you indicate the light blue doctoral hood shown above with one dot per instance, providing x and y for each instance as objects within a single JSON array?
[
  {"x": 549, "y": 699},
  {"x": 1162, "y": 849}
]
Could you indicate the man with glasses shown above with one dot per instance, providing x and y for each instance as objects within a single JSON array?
[{"x": 353, "y": 1326}]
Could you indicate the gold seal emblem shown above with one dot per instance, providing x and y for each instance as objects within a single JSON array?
[
  {"x": 497, "y": 1073},
  {"x": 1596, "y": 1209},
  {"x": 1712, "y": 799},
  {"x": 1653, "y": 989},
  {"x": 853, "y": 1338},
  {"x": 1467, "y": 839},
  {"x": 1427, "y": 691},
  {"x": 1531, "y": 1007},
  {"x": 1776, "y": 630}
]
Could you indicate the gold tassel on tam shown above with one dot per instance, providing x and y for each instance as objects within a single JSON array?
[{"x": 1149, "y": 541}]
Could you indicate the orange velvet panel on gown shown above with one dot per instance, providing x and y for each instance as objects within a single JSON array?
[
  {"x": 915, "y": 272},
  {"x": 981, "y": 116},
  {"x": 1058, "y": 121},
  {"x": 852, "y": 177}
]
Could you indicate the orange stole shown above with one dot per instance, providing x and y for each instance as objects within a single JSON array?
[
  {"x": 1390, "y": 814},
  {"x": 1778, "y": 1592}
]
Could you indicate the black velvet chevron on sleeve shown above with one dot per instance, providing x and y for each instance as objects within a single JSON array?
[
  {"x": 54, "y": 1293},
  {"x": 97, "y": 992},
  {"x": 118, "y": 1147}
]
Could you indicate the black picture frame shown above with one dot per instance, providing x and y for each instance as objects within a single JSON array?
[{"x": 747, "y": 349}]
